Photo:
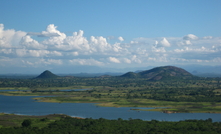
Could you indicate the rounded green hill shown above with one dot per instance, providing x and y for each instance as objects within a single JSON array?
[{"x": 161, "y": 73}]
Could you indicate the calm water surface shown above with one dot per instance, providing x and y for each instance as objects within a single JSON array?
[{"x": 27, "y": 106}]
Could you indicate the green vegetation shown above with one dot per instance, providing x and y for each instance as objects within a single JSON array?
[
  {"x": 61, "y": 124},
  {"x": 161, "y": 73},
  {"x": 12, "y": 120},
  {"x": 26, "y": 123},
  {"x": 172, "y": 88},
  {"x": 167, "y": 89}
]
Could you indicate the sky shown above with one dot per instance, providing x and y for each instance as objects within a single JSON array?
[{"x": 72, "y": 36}]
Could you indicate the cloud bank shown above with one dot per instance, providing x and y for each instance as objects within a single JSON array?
[{"x": 23, "y": 49}]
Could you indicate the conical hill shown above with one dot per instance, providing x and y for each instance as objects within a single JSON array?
[{"x": 47, "y": 75}]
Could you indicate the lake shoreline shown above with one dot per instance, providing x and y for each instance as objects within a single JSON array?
[
  {"x": 25, "y": 105},
  {"x": 50, "y": 99},
  {"x": 111, "y": 104},
  {"x": 171, "y": 107}
]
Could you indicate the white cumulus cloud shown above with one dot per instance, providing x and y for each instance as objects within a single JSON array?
[
  {"x": 51, "y": 31},
  {"x": 135, "y": 59},
  {"x": 120, "y": 38},
  {"x": 190, "y": 37},
  {"x": 38, "y": 53},
  {"x": 31, "y": 43},
  {"x": 126, "y": 60},
  {"x": 75, "y": 42},
  {"x": 57, "y": 48},
  {"x": 75, "y": 53},
  {"x": 9, "y": 38},
  {"x": 113, "y": 59},
  {"x": 90, "y": 62},
  {"x": 163, "y": 43},
  {"x": 99, "y": 44}
]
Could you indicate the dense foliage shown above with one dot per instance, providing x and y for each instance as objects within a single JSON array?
[
  {"x": 26, "y": 123},
  {"x": 70, "y": 125}
]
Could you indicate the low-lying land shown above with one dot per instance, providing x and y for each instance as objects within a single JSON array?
[
  {"x": 174, "y": 96},
  {"x": 169, "y": 87}
]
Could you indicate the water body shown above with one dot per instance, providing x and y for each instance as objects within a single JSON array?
[
  {"x": 25, "y": 105},
  {"x": 64, "y": 90},
  {"x": 69, "y": 90},
  {"x": 6, "y": 90}
]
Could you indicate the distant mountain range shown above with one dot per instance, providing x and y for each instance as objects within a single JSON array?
[
  {"x": 197, "y": 70},
  {"x": 158, "y": 73}
]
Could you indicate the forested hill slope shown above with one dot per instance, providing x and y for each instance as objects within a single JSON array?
[
  {"x": 46, "y": 75},
  {"x": 161, "y": 73},
  {"x": 130, "y": 75}
]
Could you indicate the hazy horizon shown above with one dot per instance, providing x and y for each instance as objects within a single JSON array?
[{"x": 193, "y": 69}]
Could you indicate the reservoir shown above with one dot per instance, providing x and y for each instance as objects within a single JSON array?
[{"x": 25, "y": 105}]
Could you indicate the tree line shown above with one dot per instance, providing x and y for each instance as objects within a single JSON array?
[{"x": 68, "y": 125}]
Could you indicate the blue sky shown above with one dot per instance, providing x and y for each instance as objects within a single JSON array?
[{"x": 62, "y": 35}]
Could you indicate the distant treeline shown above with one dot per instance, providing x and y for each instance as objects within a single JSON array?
[{"x": 111, "y": 82}]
